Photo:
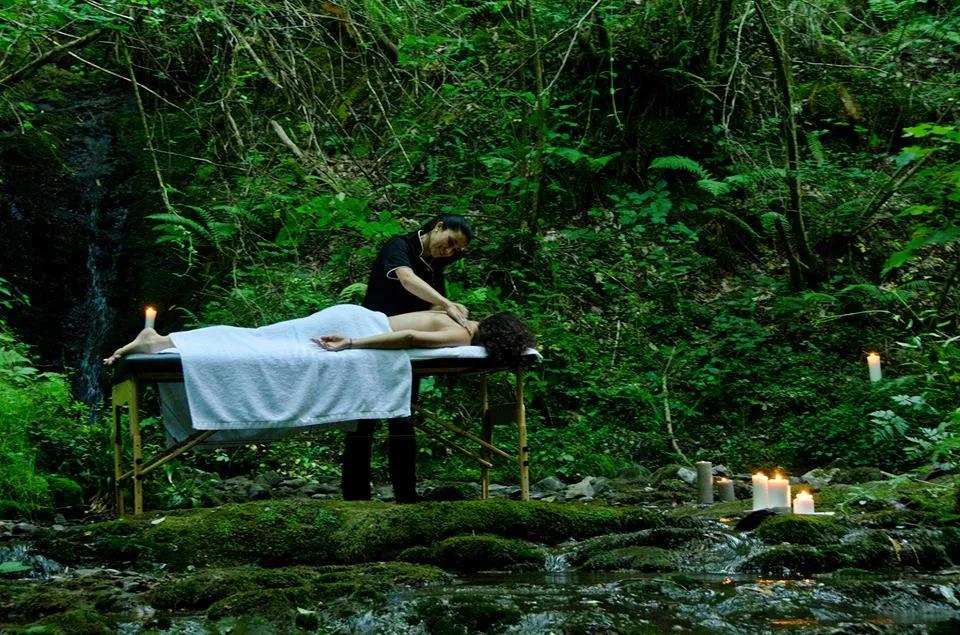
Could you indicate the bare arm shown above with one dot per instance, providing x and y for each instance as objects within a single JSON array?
[{"x": 406, "y": 338}]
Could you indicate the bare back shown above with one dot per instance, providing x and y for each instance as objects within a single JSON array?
[{"x": 430, "y": 321}]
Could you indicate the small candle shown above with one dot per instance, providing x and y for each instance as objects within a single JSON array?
[
  {"x": 803, "y": 503},
  {"x": 760, "y": 491},
  {"x": 778, "y": 492},
  {"x": 725, "y": 490},
  {"x": 151, "y": 318},
  {"x": 873, "y": 363},
  {"x": 705, "y": 481}
]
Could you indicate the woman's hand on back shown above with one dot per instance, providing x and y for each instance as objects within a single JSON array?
[{"x": 458, "y": 313}]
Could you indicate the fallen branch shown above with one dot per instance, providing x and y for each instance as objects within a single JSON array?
[
  {"x": 50, "y": 56},
  {"x": 666, "y": 407}
]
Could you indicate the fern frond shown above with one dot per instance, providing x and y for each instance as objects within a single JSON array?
[
  {"x": 717, "y": 188},
  {"x": 677, "y": 162}
]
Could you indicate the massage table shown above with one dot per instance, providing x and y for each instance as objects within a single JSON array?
[{"x": 133, "y": 372}]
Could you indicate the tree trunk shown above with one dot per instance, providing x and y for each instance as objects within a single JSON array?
[{"x": 794, "y": 213}]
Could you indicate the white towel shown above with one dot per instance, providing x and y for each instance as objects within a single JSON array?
[{"x": 274, "y": 376}]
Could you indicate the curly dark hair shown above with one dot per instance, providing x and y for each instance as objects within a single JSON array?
[{"x": 505, "y": 337}]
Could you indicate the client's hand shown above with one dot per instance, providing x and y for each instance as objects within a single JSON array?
[{"x": 332, "y": 342}]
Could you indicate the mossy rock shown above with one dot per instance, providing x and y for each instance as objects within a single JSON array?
[
  {"x": 65, "y": 492},
  {"x": 464, "y": 614},
  {"x": 290, "y": 532},
  {"x": 650, "y": 559},
  {"x": 868, "y": 549},
  {"x": 44, "y": 599},
  {"x": 478, "y": 553},
  {"x": 79, "y": 621},
  {"x": 275, "y": 605},
  {"x": 665, "y": 473},
  {"x": 788, "y": 560},
  {"x": 13, "y": 510},
  {"x": 673, "y": 489},
  {"x": 799, "y": 529},
  {"x": 201, "y": 590},
  {"x": 662, "y": 537},
  {"x": 726, "y": 510},
  {"x": 212, "y": 586}
]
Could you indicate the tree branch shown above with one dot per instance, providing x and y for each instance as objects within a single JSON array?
[{"x": 50, "y": 56}]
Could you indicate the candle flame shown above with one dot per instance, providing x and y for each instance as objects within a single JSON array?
[
  {"x": 760, "y": 474},
  {"x": 873, "y": 355}
]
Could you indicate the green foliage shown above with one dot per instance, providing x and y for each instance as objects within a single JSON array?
[
  {"x": 934, "y": 220},
  {"x": 652, "y": 272}
]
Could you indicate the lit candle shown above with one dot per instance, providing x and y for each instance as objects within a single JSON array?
[
  {"x": 760, "y": 491},
  {"x": 873, "y": 363},
  {"x": 803, "y": 503},
  {"x": 151, "y": 318},
  {"x": 705, "y": 481},
  {"x": 725, "y": 490},
  {"x": 778, "y": 492}
]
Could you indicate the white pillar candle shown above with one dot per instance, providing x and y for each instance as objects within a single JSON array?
[
  {"x": 803, "y": 503},
  {"x": 778, "y": 492},
  {"x": 760, "y": 491},
  {"x": 705, "y": 481},
  {"x": 151, "y": 318},
  {"x": 873, "y": 363},
  {"x": 725, "y": 490}
]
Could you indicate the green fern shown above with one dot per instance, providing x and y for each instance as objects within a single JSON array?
[{"x": 684, "y": 164}]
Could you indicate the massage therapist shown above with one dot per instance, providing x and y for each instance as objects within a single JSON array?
[{"x": 407, "y": 276}]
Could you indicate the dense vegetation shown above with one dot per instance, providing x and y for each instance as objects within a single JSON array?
[{"x": 708, "y": 211}]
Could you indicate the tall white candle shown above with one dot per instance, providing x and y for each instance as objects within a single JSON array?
[
  {"x": 873, "y": 363},
  {"x": 803, "y": 503},
  {"x": 760, "y": 491},
  {"x": 725, "y": 490},
  {"x": 705, "y": 481},
  {"x": 151, "y": 318},
  {"x": 778, "y": 492}
]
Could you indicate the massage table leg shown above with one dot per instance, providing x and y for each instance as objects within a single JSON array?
[
  {"x": 524, "y": 454},
  {"x": 118, "y": 399},
  {"x": 137, "y": 448},
  {"x": 487, "y": 435}
]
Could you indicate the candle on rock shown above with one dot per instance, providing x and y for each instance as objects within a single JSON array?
[
  {"x": 725, "y": 490},
  {"x": 778, "y": 492},
  {"x": 760, "y": 491},
  {"x": 873, "y": 363},
  {"x": 150, "y": 318},
  {"x": 803, "y": 503},
  {"x": 705, "y": 482}
]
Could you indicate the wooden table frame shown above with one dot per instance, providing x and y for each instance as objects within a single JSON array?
[{"x": 132, "y": 375}]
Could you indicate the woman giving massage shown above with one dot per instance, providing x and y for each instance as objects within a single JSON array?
[{"x": 504, "y": 335}]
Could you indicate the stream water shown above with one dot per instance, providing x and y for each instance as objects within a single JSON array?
[{"x": 93, "y": 163}]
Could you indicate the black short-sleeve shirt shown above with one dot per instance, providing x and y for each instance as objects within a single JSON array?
[{"x": 384, "y": 291}]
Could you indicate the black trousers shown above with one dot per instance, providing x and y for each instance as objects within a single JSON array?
[{"x": 401, "y": 451}]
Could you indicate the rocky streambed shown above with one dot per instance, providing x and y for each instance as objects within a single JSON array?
[{"x": 633, "y": 563}]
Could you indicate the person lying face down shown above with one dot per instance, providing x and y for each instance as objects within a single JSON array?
[{"x": 504, "y": 335}]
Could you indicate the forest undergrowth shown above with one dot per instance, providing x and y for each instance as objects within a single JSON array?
[{"x": 709, "y": 212}]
